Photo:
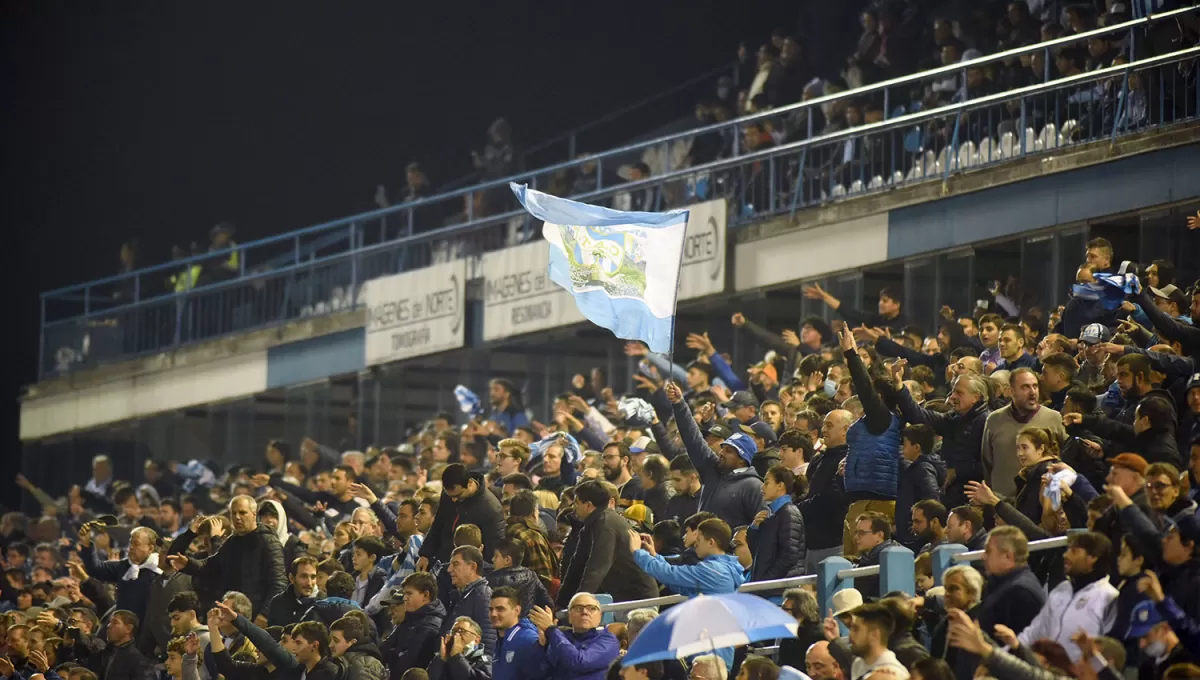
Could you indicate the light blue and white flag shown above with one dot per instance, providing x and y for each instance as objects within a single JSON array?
[{"x": 622, "y": 267}]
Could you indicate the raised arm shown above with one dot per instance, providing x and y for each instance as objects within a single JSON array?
[
  {"x": 878, "y": 416},
  {"x": 703, "y": 458}
]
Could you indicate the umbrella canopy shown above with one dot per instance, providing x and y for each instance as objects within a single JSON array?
[{"x": 706, "y": 623}]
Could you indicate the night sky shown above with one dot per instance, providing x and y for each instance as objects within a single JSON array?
[{"x": 155, "y": 120}]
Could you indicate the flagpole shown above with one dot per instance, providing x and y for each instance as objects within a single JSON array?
[{"x": 675, "y": 305}]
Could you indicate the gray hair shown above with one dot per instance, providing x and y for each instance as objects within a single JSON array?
[
  {"x": 96, "y": 460},
  {"x": 971, "y": 576},
  {"x": 354, "y": 459},
  {"x": 975, "y": 384},
  {"x": 711, "y": 661},
  {"x": 805, "y": 603},
  {"x": 470, "y": 623},
  {"x": 241, "y": 603},
  {"x": 637, "y": 620},
  {"x": 578, "y": 595}
]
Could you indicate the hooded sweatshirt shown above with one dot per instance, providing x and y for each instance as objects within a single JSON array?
[{"x": 714, "y": 574}]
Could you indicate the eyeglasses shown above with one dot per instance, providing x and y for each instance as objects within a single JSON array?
[
  {"x": 864, "y": 532},
  {"x": 461, "y": 632},
  {"x": 1158, "y": 486},
  {"x": 585, "y": 609}
]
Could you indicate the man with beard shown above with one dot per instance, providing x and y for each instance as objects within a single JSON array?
[
  {"x": 290, "y": 605},
  {"x": 999, "y": 448},
  {"x": 616, "y": 459},
  {"x": 869, "y": 633},
  {"x": 1082, "y": 601},
  {"x": 465, "y": 500},
  {"x": 929, "y": 519},
  {"x": 732, "y": 489},
  {"x": 250, "y": 561},
  {"x": 507, "y": 410}
]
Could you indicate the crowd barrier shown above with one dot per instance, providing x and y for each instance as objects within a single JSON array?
[{"x": 324, "y": 266}]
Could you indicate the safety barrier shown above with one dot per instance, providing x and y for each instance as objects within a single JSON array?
[
  {"x": 85, "y": 325},
  {"x": 950, "y": 554}
]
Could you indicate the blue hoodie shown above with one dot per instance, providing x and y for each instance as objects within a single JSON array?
[
  {"x": 716, "y": 574},
  {"x": 519, "y": 655}
]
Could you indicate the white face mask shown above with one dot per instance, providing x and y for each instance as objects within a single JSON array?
[
  {"x": 1156, "y": 650},
  {"x": 830, "y": 387}
]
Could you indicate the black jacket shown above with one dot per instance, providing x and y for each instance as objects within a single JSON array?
[
  {"x": 920, "y": 480},
  {"x": 473, "y": 602},
  {"x": 132, "y": 595},
  {"x": 793, "y": 650},
  {"x": 287, "y": 607},
  {"x": 603, "y": 562},
  {"x": 482, "y": 510},
  {"x": 962, "y": 435},
  {"x": 778, "y": 545},
  {"x": 286, "y": 664},
  {"x": 824, "y": 507},
  {"x": 125, "y": 662},
  {"x": 250, "y": 563},
  {"x": 869, "y": 585},
  {"x": 680, "y": 507},
  {"x": 1013, "y": 600},
  {"x": 1156, "y": 445},
  {"x": 656, "y": 498},
  {"x": 533, "y": 591},
  {"x": 473, "y": 665},
  {"x": 414, "y": 642},
  {"x": 734, "y": 496}
]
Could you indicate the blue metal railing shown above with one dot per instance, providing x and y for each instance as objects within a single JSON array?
[
  {"x": 759, "y": 182},
  {"x": 470, "y": 205}
]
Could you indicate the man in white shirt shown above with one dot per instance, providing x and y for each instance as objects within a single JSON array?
[{"x": 869, "y": 633}]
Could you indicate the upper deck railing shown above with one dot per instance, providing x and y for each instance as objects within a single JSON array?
[{"x": 85, "y": 323}]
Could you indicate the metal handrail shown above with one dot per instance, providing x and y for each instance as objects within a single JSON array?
[
  {"x": 1034, "y": 546},
  {"x": 855, "y": 572},
  {"x": 778, "y": 584},
  {"x": 904, "y": 121},
  {"x": 752, "y": 587},
  {"x": 733, "y": 124}
]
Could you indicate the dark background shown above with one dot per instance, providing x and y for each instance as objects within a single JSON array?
[{"x": 156, "y": 120}]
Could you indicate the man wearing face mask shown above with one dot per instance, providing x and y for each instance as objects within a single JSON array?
[
  {"x": 1159, "y": 644},
  {"x": 731, "y": 489}
]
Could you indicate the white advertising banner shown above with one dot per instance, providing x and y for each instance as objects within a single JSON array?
[
  {"x": 703, "y": 271},
  {"x": 518, "y": 295},
  {"x": 416, "y": 313}
]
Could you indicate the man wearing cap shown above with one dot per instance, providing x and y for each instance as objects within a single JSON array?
[
  {"x": 1170, "y": 329},
  {"x": 732, "y": 490},
  {"x": 744, "y": 408},
  {"x": 1172, "y": 301},
  {"x": 1094, "y": 341},
  {"x": 1158, "y": 641}
]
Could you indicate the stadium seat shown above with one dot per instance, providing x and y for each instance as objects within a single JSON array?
[
  {"x": 876, "y": 183},
  {"x": 1008, "y": 142},
  {"x": 966, "y": 155},
  {"x": 838, "y": 191},
  {"x": 897, "y": 177},
  {"x": 1030, "y": 140},
  {"x": 1070, "y": 128},
  {"x": 986, "y": 152},
  {"x": 1049, "y": 137},
  {"x": 856, "y": 187}
]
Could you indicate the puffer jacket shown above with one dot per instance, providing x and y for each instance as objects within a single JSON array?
[
  {"x": 778, "y": 544},
  {"x": 364, "y": 662},
  {"x": 919, "y": 480},
  {"x": 714, "y": 575},
  {"x": 735, "y": 497},
  {"x": 414, "y": 642},
  {"x": 1070, "y": 609},
  {"x": 1013, "y": 599},
  {"x": 580, "y": 656},
  {"x": 527, "y": 583},
  {"x": 873, "y": 461}
]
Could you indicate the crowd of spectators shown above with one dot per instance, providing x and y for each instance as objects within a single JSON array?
[{"x": 484, "y": 544}]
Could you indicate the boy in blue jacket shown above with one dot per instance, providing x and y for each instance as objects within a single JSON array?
[
  {"x": 519, "y": 651},
  {"x": 716, "y": 573}
]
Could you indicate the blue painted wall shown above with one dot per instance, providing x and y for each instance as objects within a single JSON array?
[
  {"x": 316, "y": 358},
  {"x": 1098, "y": 191}
]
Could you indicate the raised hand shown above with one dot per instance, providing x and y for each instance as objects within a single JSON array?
[
  {"x": 85, "y": 535},
  {"x": 77, "y": 570},
  {"x": 897, "y": 370},
  {"x": 759, "y": 518},
  {"x": 541, "y": 617},
  {"x": 635, "y": 541},
  {"x": 846, "y": 340},
  {"x": 1070, "y": 419},
  {"x": 1118, "y": 496},
  {"x": 645, "y": 383},
  {"x": 830, "y": 627},
  {"x": 260, "y": 480},
  {"x": 6, "y": 667},
  {"x": 38, "y": 661},
  {"x": 636, "y": 349},
  {"x": 1151, "y": 586},
  {"x": 981, "y": 494},
  {"x": 1005, "y": 636},
  {"x": 648, "y": 544},
  {"x": 1193, "y": 221},
  {"x": 191, "y": 644},
  {"x": 966, "y": 634},
  {"x": 738, "y": 320},
  {"x": 700, "y": 343},
  {"x": 178, "y": 562},
  {"x": 789, "y": 336},
  {"x": 364, "y": 492},
  {"x": 674, "y": 394},
  {"x": 815, "y": 292},
  {"x": 225, "y": 612},
  {"x": 947, "y": 312}
]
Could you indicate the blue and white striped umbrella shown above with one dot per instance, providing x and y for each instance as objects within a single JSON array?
[{"x": 707, "y": 623}]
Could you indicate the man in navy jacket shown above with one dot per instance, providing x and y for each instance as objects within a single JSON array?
[{"x": 585, "y": 650}]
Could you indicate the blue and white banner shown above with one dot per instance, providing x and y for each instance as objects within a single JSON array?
[{"x": 622, "y": 267}]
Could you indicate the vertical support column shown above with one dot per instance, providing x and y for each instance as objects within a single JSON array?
[
  {"x": 827, "y": 581},
  {"x": 896, "y": 570},
  {"x": 942, "y": 559}
]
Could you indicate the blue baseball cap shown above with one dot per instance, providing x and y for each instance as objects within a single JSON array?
[
  {"x": 743, "y": 444},
  {"x": 1143, "y": 617}
]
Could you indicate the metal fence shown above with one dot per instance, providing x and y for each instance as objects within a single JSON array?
[{"x": 96, "y": 322}]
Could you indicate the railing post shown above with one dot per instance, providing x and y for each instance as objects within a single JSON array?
[
  {"x": 942, "y": 559},
  {"x": 771, "y": 184},
  {"x": 599, "y": 174},
  {"x": 42, "y": 338},
  {"x": 896, "y": 570},
  {"x": 87, "y": 300},
  {"x": 1046, "y": 65},
  {"x": 137, "y": 288},
  {"x": 828, "y": 582},
  {"x": 1023, "y": 128},
  {"x": 571, "y": 147},
  {"x": 1117, "y": 122},
  {"x": 886, "y": 107},
  {"x": 296, "y": 244}
]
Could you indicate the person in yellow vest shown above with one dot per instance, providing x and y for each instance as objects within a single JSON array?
[
  {"x": 185, "y": 279},
  {"x": 222, "y": 238}
]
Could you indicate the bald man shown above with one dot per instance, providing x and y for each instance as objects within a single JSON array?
[
  {"x": 250, "y": 561},
  {"x": 820, "y": 664},
  {"x": 825, "y": 506}
]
